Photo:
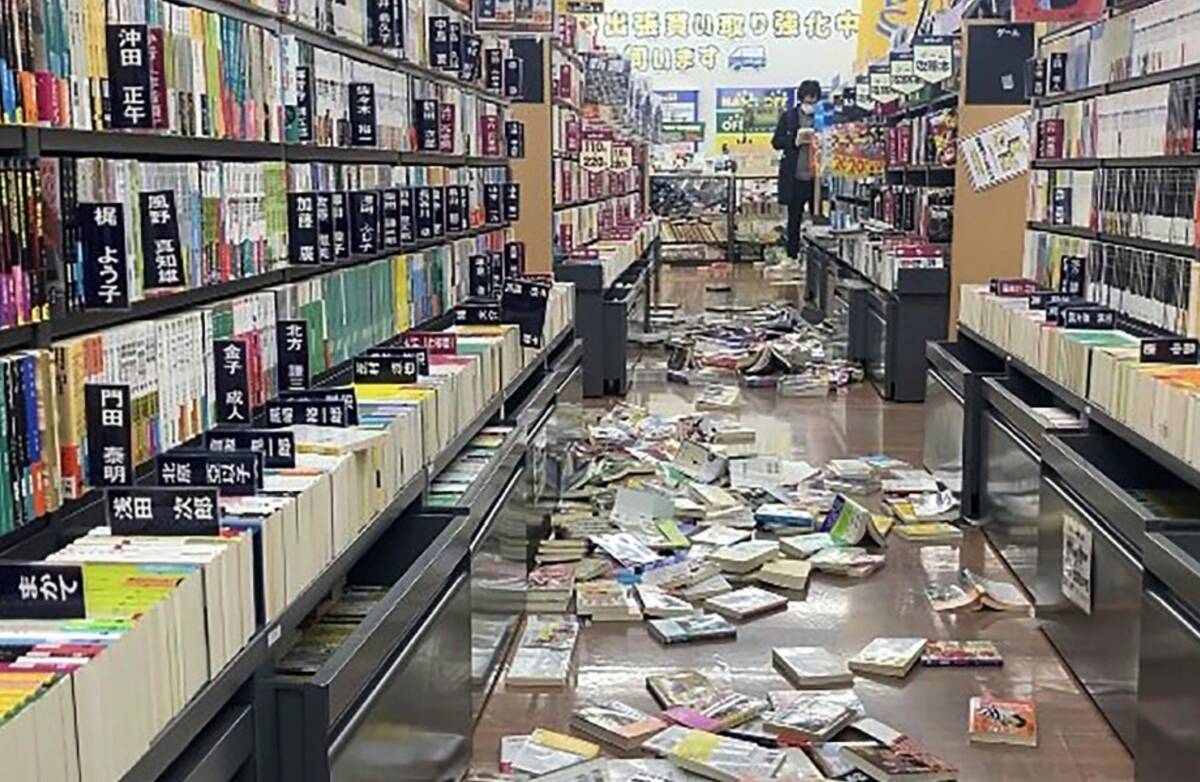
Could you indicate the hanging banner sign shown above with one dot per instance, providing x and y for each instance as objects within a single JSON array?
[
  {"x": 881, "y": 83},
  {"x": 862, "y": 94},
  {"x": 933, "y": 57},
  {"x": 904, "y": 80}
]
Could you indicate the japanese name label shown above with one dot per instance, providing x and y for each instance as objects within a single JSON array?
[
  {"x": 102, "y": 232},
  {"x": 155, "y": 510},
  {"x": 233, "y": 382},
  {"x": 161, "y": 252},
  {"x": 110, "y": 434},
  {"x": 41, "y": 590}
]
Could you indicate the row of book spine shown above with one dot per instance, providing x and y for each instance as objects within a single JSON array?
[{"x": 159, "y": 66}]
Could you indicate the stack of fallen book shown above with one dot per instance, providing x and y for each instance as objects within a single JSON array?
[
  {"x": 553, "y": 551},
  {"x": 615, "y": 723},
  {"x": 550, "y": 588},
  {"x": 607, "y": 601},
  {"x": 544, "y": 653},
  {"x": 851, "y": 476}
]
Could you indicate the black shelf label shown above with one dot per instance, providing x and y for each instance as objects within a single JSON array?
[
  {"x": 524, "y": 302},
  {"x": 1087, "y": 317},
  {"x": 107, "y": 409},
  {"x": 277, "y": 447},
  {"x": 419, "y": 355},
  {"x": 478, "y": 313},
  {"x": 433, "y": 341},
  {"x": 362, "y": 115},
  {"x": 1170, "y": 350},
  {"x": 512, "y": 202},
  {"x": 499, "y": 271},
  {"x": 385, "y": 24},
  {"x": 447, "y": 127},
  {"x": 1037, "y": 77},
  {"x": 391, "y": 219},
  {"x": 479, "y": 271},
  {"x": 424, "y": 212},
  {"x": 493, "y": 203},
  {"x": 129, "y": 76},
  {"x": 1061, "y": 206},
  {"x": 156, "y": 510},
  {"x": 1041, "y": 300},
  {"x": 304, "y": 103},
  {"x": 454, "y": 209},
  {"x": 340, "y": 203},
  {"x": 364, "y": 222},
  {"x": 161, "y": 252},
  {"x": 313, "y": 412},
  {"x": 454, "y": 45},
  {"x": 493, "y": 69},
  {"x": 302, "y": 228},
  {"x": 408, "y": 216},
  {"x": 233, "y": 382},
  {"x": 514, "y": 259},
  {"x": 1012, "y": 286},
  {"x": 1057, "y": 74},
  {"x": 325, "y": 242},
  {"x": 102, "y": 240},
  {"x": 41, "y": 590},
  {"x": 439, "y": 42},
  {"x": 514, "y": 137},
  {"x": 469, "y": 69},
  {"x": 514, "y": 75},
  {"x": 292, "y": 354},
  {"x": 386, "y": 371},
  {"x": 427, "y": 121},
  {"x": 344, "y": 395},
  {"x": 233, "y": 473},
  {"x": 437, "y": 205},
  {"x": 1072, "y": 274}
]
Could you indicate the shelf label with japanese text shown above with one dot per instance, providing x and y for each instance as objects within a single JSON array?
[
  {"x": 232, "y": 381},
  {"x": 41, "y": 590},
  {"x": 157, "y": 510},
  {"x": 108, "y": 411},
  {"x": 102, "y": 241},
  {"x": 161, "y": 251},
  {"x": 278, "y": 448},
  {"x": 292, "y": 354},
  {"x": 235, "y": 473},
  {"x": 1170, "y": 350}
]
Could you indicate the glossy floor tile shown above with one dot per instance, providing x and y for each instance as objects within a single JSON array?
[{"x": 612, "y": 661}]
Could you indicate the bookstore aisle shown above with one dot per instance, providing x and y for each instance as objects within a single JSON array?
[{"x": 613, "y": 660}]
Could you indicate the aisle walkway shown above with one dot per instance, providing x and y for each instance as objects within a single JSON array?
[{"x": 930, "y": 706}]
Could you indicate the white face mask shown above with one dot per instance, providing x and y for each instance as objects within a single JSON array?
[{"x": 807, "y": 108}]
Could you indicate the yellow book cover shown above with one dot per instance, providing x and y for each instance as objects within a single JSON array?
[{"x": 548, "y": 738}]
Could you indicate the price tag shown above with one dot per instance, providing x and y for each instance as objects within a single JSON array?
[
  {"x": 41, "y": 590},
  {"x": 233, "y": 382},
  {"x": 110, "y": 434},
  {"x": 933, "y": 57},
  {"x": 1170, "y": 350},
  {"x": 596, "y": 154},
  {"x": 235, "y": 473},
  {"x": 155, "y": 510},
  {"x": 102, "y": 244},
  {"x": 378, "y": 370},
  {"x": 278, "y": 448},
  {"x": 161, "y": 252},
  {"x": 292, "y": 350},
  {"x": 904, "y": 78},
  {"x": 621, "y": 157}
]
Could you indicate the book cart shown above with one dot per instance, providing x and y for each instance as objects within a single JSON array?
[
  {"x": 248, "y": 719},
  {"x": 1087, "y": 489}
]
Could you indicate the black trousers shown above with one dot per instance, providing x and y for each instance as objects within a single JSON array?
[{"x": 802, "y": 195}]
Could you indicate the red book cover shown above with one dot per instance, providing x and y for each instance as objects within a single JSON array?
[
  {"x": 490, "y": 134},
  {"x": 1056, "y": 10}
]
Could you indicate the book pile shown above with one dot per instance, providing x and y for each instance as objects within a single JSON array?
[
  {"x": 658, "y": 604},
  {"x": 544, "y": 653},
  {"x": 722, "y": 713},
  {"x": 746, "y": 557},
  {"x": 607, "y": 601},
  {"x": 851, "y": 476},
  {"x": 552, "y": 551},
  {"x": 550, "y": 588}
]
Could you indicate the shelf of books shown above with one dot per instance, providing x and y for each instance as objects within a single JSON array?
[
  {"x": 260, "y": 293},
  {"x": 1093, "y": 373}
]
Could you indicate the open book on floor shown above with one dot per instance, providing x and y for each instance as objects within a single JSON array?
[{"x": 976, "y": 592}]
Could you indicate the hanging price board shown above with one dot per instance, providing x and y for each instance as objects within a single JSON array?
[
  {"x": 933, "y": 57},
  {"x": 881, "y": 83},
  {"x": 596, "y": 155},
  {"x": 621, "y": 158},
  {"x": 904, "y": 80}
]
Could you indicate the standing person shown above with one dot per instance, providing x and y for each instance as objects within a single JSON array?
[{"x": 794, "y": 138}]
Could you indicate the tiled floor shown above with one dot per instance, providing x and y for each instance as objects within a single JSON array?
[{"x": 843, "y": 614}]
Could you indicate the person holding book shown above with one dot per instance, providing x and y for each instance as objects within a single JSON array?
[{"x": 794, "y": 138}]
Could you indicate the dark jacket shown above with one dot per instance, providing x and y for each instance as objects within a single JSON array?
[{"x": 784, "y": 140}]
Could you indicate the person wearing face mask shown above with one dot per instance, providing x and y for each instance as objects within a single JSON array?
[{"x": 794, "y": 138}]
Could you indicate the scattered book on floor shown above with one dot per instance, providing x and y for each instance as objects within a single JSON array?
[
  {"x": 681, "y": 688},
  {"x": 850, "y": 561},
  {"x": 689, "y": 629},
  {"x": 783, "y": 519},
  {"x": 900, "y": 762},
  {"x": 745, "y": 557},
  {"x": 591, "y": 771},
  {"x": 706, "y": 589},
  {"x": 929, "y": 532},
  {"x": 719, "y": 397},
  {"x": 830, "y": 758},
  {"x": 615, "y": 723},
  {"x": 967, "y": 654},
  {"x": 809, "y": 718},
  {"x": 975, "y": 592},
  {"x": 607, "y": 601},
  {"x": 657, "y": 604},
  {"x": 888, "y": 656},
  {"x": 721, "y": 536},
  {"x": 811, "y": 666},
  {"x": 790, "y": 574},
  {"x": 716, "y": 757},
  {"x": 805, "y": 546},
  {"x": 746, "y": 603},
  {"x": 877, "y": 731},
  {"x": 1002, "y": 721},
  {"x": 544, "y": 751}
]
